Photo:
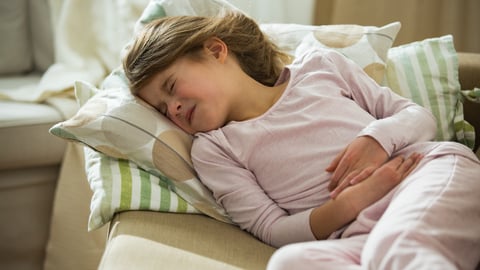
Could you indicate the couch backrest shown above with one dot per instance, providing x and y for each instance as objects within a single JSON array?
[{"x": 26, "y": 34}]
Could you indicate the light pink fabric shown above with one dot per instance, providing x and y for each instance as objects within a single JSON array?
[
  {"x": 430, "y": 222},
  {"x": 269, "y": 172}
]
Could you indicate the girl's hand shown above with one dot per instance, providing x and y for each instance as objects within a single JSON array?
[
  {"x": 336, "y": 213},
  {"x": 356, "y": 163},
  {"x": 382, "y": 181}
]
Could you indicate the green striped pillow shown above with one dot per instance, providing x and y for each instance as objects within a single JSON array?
[
  {"x": 427, "y": 72},
  {"x": 120, "y": 185}
]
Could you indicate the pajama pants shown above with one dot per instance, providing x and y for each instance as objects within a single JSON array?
[{"x": 429, "y": 221}]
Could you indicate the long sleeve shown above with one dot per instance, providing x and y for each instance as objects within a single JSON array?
[
  {"x": 400, "y": 121},
  {"x": 237, "y": 189}
]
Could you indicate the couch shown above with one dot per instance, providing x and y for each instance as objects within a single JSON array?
[{"x": 45, "y": 198}]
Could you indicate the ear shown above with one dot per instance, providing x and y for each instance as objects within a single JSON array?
[{"x": 217, "y": 48}]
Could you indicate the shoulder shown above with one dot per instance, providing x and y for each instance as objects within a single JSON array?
[
  {"x": 212, "y": 146},
  {"x": 204, "y": 143},
  {"x": 316, "y": 58},
  {"x": 316, "y": 53}
]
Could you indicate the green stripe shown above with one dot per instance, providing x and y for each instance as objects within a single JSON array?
[
  {"x": 165, "y": 196},
  {"x": 182, "y": 205},
  {"x": 106, "y": 173},
  {"x": 126, "y": 184},
  {"x": 443, "y": 68},
  {"x": 410, "y": 75},
  {"x": 145, "y": 189},
  {"x": 451, "y": 56},
  {"x": 430, "y": 75}
]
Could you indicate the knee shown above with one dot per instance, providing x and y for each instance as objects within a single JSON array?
[
  {"x": 406, "y": 250},
  {"x": 287, "y": 257}
]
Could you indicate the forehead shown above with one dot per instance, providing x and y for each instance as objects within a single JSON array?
[{"x": 175, "y": 66}]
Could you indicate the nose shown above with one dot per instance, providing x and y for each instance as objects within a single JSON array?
[{"x": 174, "y": 107}]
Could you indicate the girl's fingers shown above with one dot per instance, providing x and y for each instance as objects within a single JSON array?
[
  {"x": 343, "y": 185},
  {"x": 411, "y": 163},
  {"x": 399, "y": 168},
  {"x": 333, "y": 165},
  {"x": 362, "y": 176},
  {"x": 337, "y": 173},
  {"x": 352, "y": 179}
]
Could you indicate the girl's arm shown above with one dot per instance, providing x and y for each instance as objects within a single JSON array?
[
  {"x": 400, "y": 122},
  {"x": 336, "y": 213},
  {"x": 236, "y": 188}
]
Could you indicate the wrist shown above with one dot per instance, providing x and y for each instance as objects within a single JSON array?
[
  {"x": 351, "y": 200},
  {"x": 332, "y": 216}
]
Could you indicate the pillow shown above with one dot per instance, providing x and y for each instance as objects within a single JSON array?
[
  {"x": 365, "y": 45},
  {"x": 427, "y": 72},
  {"x": 116, "y": 123},
  {"x": 130, "y": 188}
]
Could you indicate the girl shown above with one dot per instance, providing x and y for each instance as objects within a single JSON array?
[{"x": 310, "y": 151}]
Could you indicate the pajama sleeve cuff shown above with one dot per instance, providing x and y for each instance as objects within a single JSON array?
[{"x": 291, "y": 229}]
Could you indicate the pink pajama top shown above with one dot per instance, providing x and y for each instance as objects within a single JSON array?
[{"x": 269, "y": 172}]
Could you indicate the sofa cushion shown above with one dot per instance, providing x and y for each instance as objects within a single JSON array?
[
  {"x": 127, "y": 252},
  {"x": 24, "y": 135},
  {"x": 224, "y": 243},
  {"x": 41, "y": 34},
  {"x": 24, "y": 127},
  {"x": 26, "y": 196},
  {"x": 15, "y": 48}
]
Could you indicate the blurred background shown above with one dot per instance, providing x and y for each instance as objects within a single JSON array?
[{"x": 420, "y": 18}]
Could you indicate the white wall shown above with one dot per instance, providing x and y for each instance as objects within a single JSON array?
[{"x": 278, "y": 11}]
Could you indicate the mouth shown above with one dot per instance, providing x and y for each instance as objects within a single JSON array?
[{"x": 189, "y": 115}]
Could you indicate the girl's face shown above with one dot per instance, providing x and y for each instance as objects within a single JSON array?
[{"x": 191, "y": 93}]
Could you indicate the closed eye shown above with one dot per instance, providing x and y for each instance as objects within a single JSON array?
[{"x": 171, "y": 90}]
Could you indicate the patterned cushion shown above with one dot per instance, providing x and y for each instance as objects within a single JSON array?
[
  {"x": 427, "y": 72},
  {"x": 366, "y": 45},
  {"x": 119, "y": 125}
]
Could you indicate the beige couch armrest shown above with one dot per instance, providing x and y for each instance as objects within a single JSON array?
[
  {"x": 469, "y": 76},
  {"x": 162, "y": 233}
]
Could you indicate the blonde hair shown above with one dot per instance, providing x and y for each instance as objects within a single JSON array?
[{"x": 165, "y": 40}]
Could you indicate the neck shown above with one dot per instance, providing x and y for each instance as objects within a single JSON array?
[{"x": 256, "y": 99}]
